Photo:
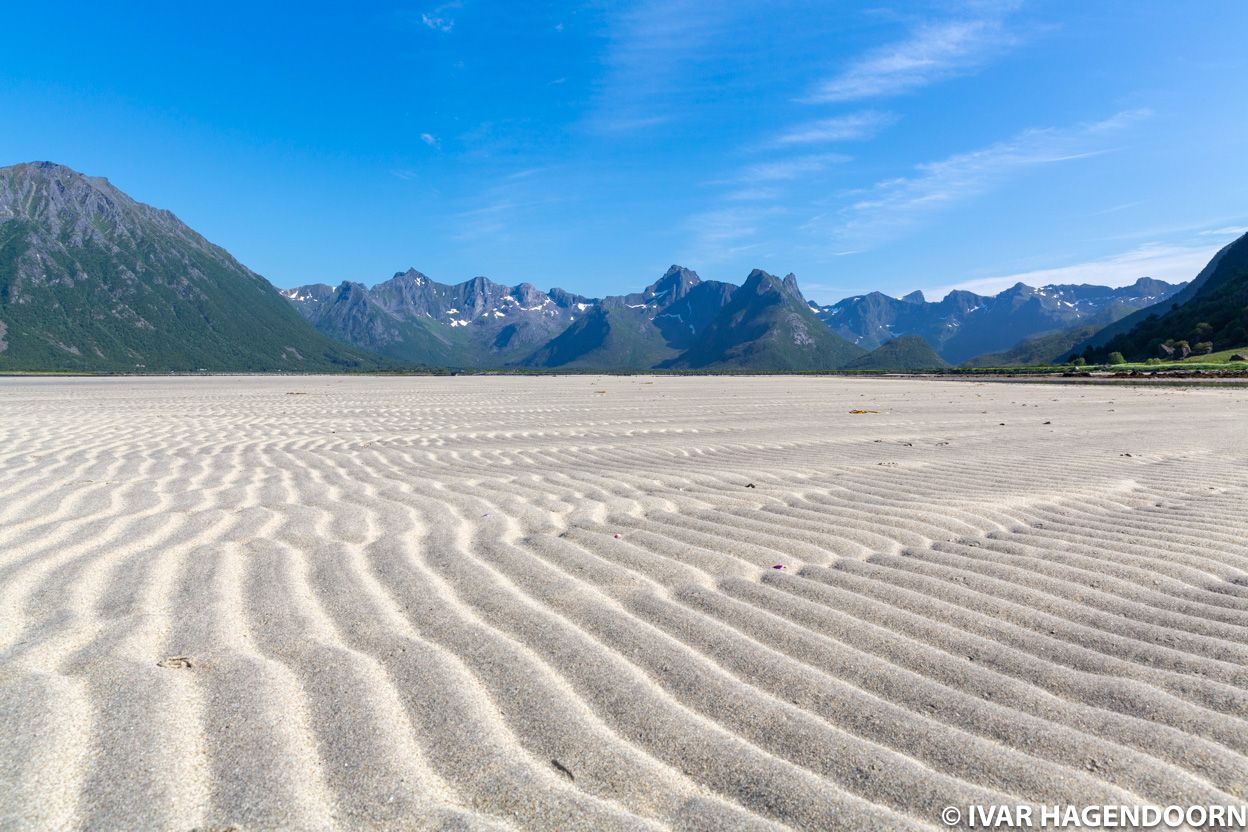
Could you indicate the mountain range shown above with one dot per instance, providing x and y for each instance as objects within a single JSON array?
[
  {"x": 964, "y": 325},
  {"x": 93, "y": 280},
  {"x": 684, "y": 322},
  {"x": 678, "y": 322}
]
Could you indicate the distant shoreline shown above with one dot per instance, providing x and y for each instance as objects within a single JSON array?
[{"x": 1222, "y": 378}]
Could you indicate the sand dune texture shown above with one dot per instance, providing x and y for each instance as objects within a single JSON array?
[{"x": 552, "y": 603}]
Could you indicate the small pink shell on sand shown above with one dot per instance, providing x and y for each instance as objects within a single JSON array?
[
  {"x": 617, "y": 536},
  {"x": 778, "y": 566}
]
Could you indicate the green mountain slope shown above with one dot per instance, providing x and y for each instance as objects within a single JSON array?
[
  {"x": 612, "y": 337},
  {"x": 1052, "y": 347},
  {"x": 92, "y": 280},
  {"x": 637, "y": 331},
  {"x": 766, "y": 325},
  {"x": 909, "y": 352},
  {"x": 1047, "y": 348},
  {"x": 350, "y": 308},
  {"x": 1213, "y": 308}
]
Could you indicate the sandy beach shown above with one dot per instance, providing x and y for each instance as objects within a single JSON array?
[{"x": 611, "y": 603}]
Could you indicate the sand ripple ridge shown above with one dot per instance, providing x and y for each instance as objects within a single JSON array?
[{"x": 551, "y": 603}]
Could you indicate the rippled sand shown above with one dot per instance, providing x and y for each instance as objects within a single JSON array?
[{"x": 552, "y": 603}]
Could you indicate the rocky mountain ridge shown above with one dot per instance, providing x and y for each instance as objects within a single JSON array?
[
  {"x": 963, "y": 324},
  {"x": 478, "y": 323}
]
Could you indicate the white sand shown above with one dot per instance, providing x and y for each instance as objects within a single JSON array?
[{"x": 403, "y": 599}]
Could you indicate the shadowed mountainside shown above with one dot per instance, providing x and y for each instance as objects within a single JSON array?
[
  {"x": 767, "y": 324},
  {"x": 1212, "y": 309}
]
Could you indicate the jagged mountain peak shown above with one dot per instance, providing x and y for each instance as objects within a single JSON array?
[
  {"x": 790, "y": 286},
  {"x": 1150, "y": 286},
  {"x": 675, "y": 283},
  {"x": 350, "y": 287},
  {"x": 676, "y": 270},
  {"x": 411, "y": 276},
  {"x": 311, "y": 292},
  {"x": 566, "y": 299},
  {"x": 479, "y": 283},
  {"x": 963, "y": 296},
  {"x": 760, "y": 282},
  {"x": 529, "y": 295},
  {"x": 765, "y": 323},
  {"x": 52, "y": 172},
  {"x": 81, "y": 207}
]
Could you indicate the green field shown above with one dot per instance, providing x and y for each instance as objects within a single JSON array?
[{"x": 1223, "y": 357}]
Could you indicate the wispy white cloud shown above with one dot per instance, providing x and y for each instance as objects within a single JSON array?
[
  {"x": 656, "y": 53},
  {"x": 1119, "y": 120},
  {"x": 934, "y": 52},
  {"x": 525, "y": 173},
  {"x": 487, "y": 221},
  {"x": 438, "y": 23},
  {"x": 429, "y": 139},
  {"x": 1169, "y": 231},
  {"x": 753, "y": 194},
  {"x": 893, "y": 205},
  {"x": 852, "y": 127},
  {"x": 502, "y": 212},
  {"x": 1172, "y": 262},
  {"x": 792, "y": 168},
  {"x": 621, "y": 123},
  {"x": 1113, "y": 209},
  {"x": 723, "y": 233}
]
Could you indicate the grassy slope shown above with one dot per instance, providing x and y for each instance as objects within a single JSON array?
[
  {"x": 909, "y": 352},
  {"x": 1222, "y": 357},
  {"x": 615, "y": 338}
]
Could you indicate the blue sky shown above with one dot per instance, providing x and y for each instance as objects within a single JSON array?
[{"x": 590, "y": 145}]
